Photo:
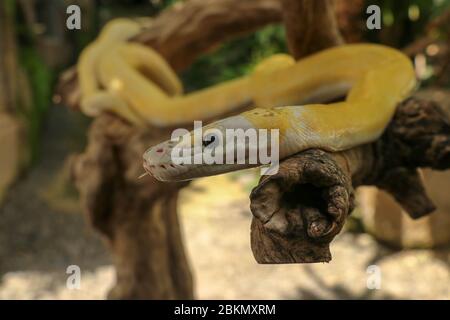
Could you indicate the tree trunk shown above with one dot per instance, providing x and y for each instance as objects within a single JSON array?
[
  {"x": 10, "y": 129},
  {"x": 8, "y": 57},
  {"x": 138, "y": 217},
  {"x": 310, "y": 26}
]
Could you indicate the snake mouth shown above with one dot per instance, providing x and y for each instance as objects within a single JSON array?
[
  {"x": 147, "y": 167},
  {"x": 165, "y": 171}
]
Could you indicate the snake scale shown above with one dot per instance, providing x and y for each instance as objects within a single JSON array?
[{"x": 138, "y": 84}]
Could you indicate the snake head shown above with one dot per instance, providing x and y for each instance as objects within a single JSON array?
[{"x": 220, "y": 147}]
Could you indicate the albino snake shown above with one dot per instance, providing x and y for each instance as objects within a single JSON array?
[{"x": 140, "y": 86}]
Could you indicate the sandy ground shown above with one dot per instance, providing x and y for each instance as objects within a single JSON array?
[{"x": 42, "y": 232}]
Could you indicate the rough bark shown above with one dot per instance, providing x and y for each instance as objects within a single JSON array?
[{"x": 384, "y": 218}]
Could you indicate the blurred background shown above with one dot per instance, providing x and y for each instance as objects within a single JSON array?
[{"x": 43, "y": 230}]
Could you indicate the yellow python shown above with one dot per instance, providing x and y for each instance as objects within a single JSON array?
[
  {"x": 376, "y": 78},
  {"x": 136, "y": 82}
]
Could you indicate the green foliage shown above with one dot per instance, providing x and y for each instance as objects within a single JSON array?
[
  {"x": 41, "y": 80},
  {"x": 235, "y": 58},
  {"x": 167, "y": 3},
  {"x": 10, "y": 7}
]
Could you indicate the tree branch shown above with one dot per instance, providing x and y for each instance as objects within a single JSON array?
[
  {"x": 299, "y": 211},
  {"x": 190, "y": 29},
  {"x": 310, "y": 26},
  {"x": 303, "y": 207}
]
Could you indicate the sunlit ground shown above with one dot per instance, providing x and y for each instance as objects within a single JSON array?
[{"x": 42, "y": 232}]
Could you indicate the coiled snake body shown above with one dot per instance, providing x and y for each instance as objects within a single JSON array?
[{"x": 374, "y": 77}]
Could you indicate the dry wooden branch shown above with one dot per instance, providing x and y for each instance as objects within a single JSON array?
[
  {"x": 190, "y": 29},
  {"x": 351, "y": 19},
  {"x": 302, "y": 208}
]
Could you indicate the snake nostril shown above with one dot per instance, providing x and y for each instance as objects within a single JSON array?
[
  {"x": 162, "y": 166},
  {"x": 159, "y": 150}
]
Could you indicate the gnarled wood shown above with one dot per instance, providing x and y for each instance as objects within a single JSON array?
[{"x": 305, "y": 205}]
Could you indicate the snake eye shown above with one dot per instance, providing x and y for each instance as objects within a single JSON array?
[{"x": 209, "y": 140}]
